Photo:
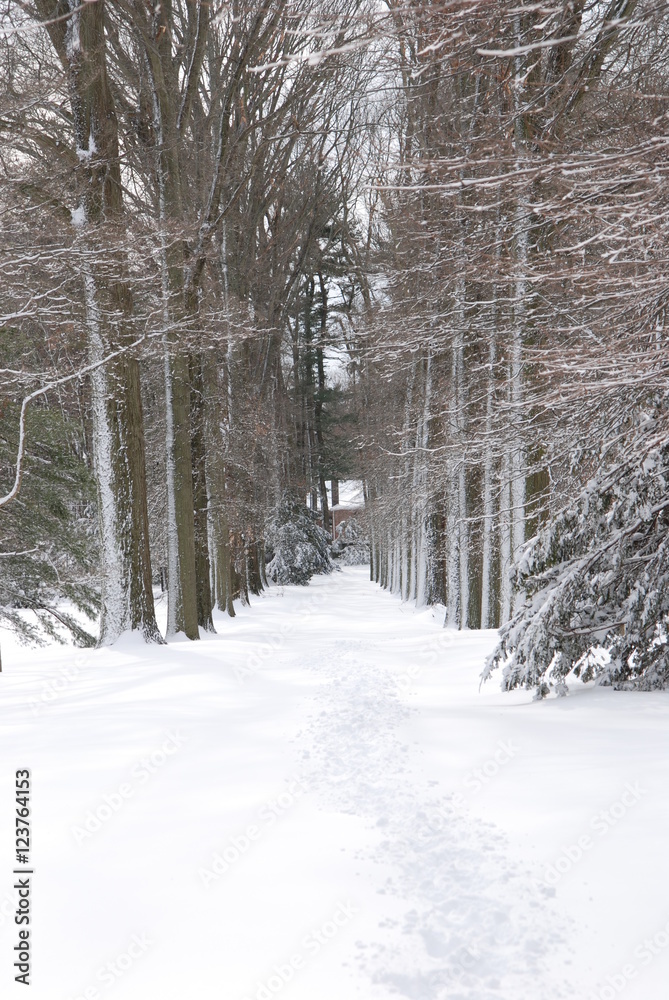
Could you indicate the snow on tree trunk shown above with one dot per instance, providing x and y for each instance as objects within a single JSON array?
[
  {"x": 518, "y": 460},
  {"x": 457, "y": 535},
  {"x": 521, "y": 250},
  {"x": 505, "y": 514},
  {"x": 422, "y": 484},
  {"x": 114, "y": 618},
  {"x": 173, "y": 585},
  {"x": 487, "y": 618},
  {"x": 80, "y": 42},
  {"x": 463, "y": 547},
  {"x": 452, "y": 561},
  {"x": 200, "y": 496}
]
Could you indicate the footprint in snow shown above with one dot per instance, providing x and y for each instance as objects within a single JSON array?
[{"x": 475, "y": 925}]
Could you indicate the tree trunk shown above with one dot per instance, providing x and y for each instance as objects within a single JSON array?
[
  {"x": 182, "y": 593},
  {"x": 487, "y": 612},
  {"x": 200, "y": 498},
  {"x": 127, "y": 593}
]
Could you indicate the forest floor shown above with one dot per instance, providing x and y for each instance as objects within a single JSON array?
[{"x": 318, "y": 803}]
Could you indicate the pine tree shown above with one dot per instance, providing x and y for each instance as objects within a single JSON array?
[
  {"x": 48, "y": 539},
  {"x": 597, "y": 581}
]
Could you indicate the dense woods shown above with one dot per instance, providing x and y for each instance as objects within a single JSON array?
[{"x": 250, "y": 250}]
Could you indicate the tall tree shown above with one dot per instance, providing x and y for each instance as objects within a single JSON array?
[{"x": 78, "y": 37}]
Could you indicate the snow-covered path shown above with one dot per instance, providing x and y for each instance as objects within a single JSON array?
[
  {"x": 463, "y": 920},
  {"x": 318, "y": 804}
]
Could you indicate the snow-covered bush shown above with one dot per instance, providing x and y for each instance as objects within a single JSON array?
[
  {"x": 350, "y": 547},
  {"x": 296, "y": 547},
  {"x": 597, "y": 585}
]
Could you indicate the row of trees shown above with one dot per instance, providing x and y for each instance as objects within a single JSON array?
[
  {"x": 525, "y": 208},
  {"x": 177, "y": 218},
  {"x": 467, "y": 200}
]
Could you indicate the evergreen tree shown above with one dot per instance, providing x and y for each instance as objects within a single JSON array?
[
  {"x": 597, "y": 582},
  {"x": 48, "y": 538},
  {"x": 296, "y": 547}
]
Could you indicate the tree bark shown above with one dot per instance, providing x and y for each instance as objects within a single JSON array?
[{"x": 78, "y": 36}]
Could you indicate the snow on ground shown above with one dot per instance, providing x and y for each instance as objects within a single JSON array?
[{"x": 319, "y": 804}]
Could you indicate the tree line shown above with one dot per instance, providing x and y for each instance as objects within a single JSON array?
[
  {"x": 463, "y": 203},
  {"x": 178, "y": 204},
  {"x": 518, "y": 476}
]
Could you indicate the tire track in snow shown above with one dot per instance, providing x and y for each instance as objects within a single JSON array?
[{"x": 475, "y": 927}]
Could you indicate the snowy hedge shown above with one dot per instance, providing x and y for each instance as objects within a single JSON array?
[
  {"x": 350, "y": 547},
  {"x": 296, "y": 547},
  {"x": 597, "y": 586}
]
